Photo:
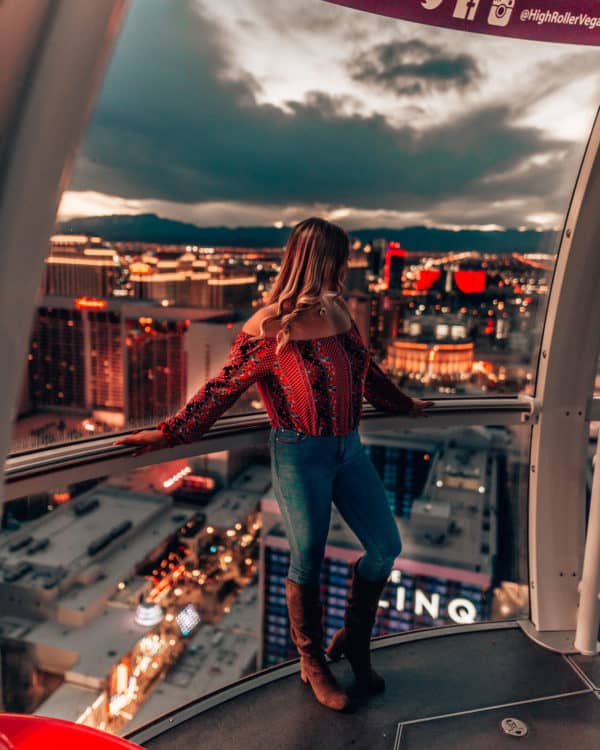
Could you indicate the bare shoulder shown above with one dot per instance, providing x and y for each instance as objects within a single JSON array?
[
  {"x": 343, "y": 304},
  {"x": 252, "y": 325}
]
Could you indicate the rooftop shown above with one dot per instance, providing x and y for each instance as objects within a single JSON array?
[
  {"x": 86, "y": 581},
  {"x": 216, "y": 656},
  {"x": 87, "y": 654}
]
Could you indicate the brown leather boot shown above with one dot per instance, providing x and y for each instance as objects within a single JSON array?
[
  {"x": 354, "y": 638},
  {"x": 304, "y": 610}
]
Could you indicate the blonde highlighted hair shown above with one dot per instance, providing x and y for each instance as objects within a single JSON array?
[{"x": 315, "y": 254}]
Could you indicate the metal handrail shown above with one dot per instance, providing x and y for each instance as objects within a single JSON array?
[{"x": 30, "y": 471}]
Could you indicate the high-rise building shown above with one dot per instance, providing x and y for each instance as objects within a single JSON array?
[
  {"x": 232, "y": 292},
  {"x": 156, "y": 367},
  {"x": 190, "y": 281},
  {"x": 394, "y": 265},
  {"x": 377, "y": 256},
  {"x": 391, "y": 314},
  {"x": 121, "y": 361},
  {"x": 181, "y": 281},
  {"x": 356, "y": 275},
  {"x": 78, "y": 265},
  {"x": 403, "y": 470},
  {"x": 448, "y": 526},
  {"x": 104, "y": 362},
  {"x": 56, "y": 372},
  {"x": 417, "y": 595}
]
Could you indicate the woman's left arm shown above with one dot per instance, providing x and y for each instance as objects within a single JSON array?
[{"x": 383, "y": 393}]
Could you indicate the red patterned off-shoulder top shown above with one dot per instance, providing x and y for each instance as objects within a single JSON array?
[{"x": 314, "y": 385}]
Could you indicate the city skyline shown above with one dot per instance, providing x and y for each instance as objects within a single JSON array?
[{"x": 409, "y": 125}]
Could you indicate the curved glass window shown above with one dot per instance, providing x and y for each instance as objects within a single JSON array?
[
  {"x": 447, "y": 156},
  {"x": 450, "y": 160},
  {"x": 159, "y": 586}
]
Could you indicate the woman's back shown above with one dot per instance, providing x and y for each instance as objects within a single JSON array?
[{"x": 309, "y": 324}]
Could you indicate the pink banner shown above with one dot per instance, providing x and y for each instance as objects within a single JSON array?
[{"x": 565, "y": 21}]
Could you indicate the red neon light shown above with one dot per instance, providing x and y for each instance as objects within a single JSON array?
[
  {"x": 427, "y": 278},
  {"x": 395, "y": 246},
  {"x": 393, "y": 250},
  {"x": 35, "y": 732},
  {"x": 470, "y": 282},
  {"x": 90, "y": 303},
  {"x": 199, "y": 482}
]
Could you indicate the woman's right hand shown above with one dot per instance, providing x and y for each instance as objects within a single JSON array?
[{"x": 148, "y": 440}]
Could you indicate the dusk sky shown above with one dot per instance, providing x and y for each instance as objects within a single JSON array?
[{"x": 254, "y": 112}]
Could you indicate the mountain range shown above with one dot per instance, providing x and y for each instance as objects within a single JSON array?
[{"x": 155, "y": 229}]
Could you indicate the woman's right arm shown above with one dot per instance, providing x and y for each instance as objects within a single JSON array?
[{"x": 249, "y": 360}]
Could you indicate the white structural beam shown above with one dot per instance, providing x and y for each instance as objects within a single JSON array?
[
  {"x": 588, "y": 616},
  {"x": 566, "y": 370},
  {"x": 54, "y": 55}
]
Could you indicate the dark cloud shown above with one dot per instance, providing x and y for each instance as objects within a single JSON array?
[
  {"x": 170, "y": 125},
  {"x": 413, "y": 66}
]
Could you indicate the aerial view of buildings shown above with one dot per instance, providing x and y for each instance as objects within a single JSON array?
[{"x": 123, "y": 599}]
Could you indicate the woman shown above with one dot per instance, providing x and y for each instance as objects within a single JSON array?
[{"x": 311, "y": 367}]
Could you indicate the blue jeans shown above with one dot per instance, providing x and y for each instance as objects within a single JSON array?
[{"x": 309, "y": 472}]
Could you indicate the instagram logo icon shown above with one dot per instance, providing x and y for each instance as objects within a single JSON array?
[{"x": 500, "y": 12}]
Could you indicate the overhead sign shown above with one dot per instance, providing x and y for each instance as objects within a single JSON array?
[{"x": 566, "y": 21}]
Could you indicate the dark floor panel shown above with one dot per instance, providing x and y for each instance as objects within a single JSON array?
[
  {"x": 553, "y": 725},
  {"x": 591, "y": 666},
  {"x": 472, "y": 670},
  {"x": 424, "y": 678}
]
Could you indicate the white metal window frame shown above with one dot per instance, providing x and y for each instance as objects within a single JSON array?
[{"x": 56, "y": 54}]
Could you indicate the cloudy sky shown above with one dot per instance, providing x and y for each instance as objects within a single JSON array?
[{"x": 254, "y": 112}]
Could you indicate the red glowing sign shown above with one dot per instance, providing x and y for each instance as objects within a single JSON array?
[
  {"x": 205, "y": 484},
  {"x": 567, "y": 21},
  {"x": 427, "y": 278},
  {"x": 393, "y": 251},
  {"x": 470, "y": 282},
  {"x": 396, "y": 247},
  {"x": 90, "y": 303}
]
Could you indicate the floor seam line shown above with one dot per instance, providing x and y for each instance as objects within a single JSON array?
[
  {"x": 580, "y": 672},
  {"x": 398, "y": 738},
  {"x": 500, "y": 705}
]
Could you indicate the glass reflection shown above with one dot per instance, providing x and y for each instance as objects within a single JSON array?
[{"x": 137, "y": 594}]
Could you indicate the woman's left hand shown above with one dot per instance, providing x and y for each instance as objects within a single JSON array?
[
  {"x": 148, "y": 440},
  {"x": 418, "y": 408}
]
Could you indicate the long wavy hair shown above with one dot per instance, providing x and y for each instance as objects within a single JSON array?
[{"x": 315, "y": 254}]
